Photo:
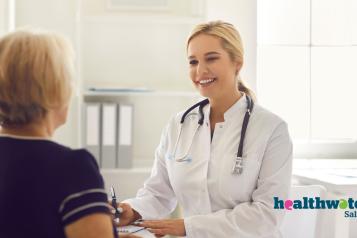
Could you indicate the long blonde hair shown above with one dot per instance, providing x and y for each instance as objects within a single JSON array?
[
  {"x": 231, "y": 42},
  {"x": 36, "y": 71}
]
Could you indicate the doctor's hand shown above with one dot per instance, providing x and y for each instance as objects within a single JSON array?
[
  {"x": 128, "y": 214},
  {"x": 175, "y": 227}
]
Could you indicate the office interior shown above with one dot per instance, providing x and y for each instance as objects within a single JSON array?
[{"x": 300, "y": 59}]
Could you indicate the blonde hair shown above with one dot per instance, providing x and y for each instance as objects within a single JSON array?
[
  {"x": 231, "y": 42},
  {"x": 36, "y": 71}
]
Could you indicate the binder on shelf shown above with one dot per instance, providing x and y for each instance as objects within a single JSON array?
[
  {"x": 109, "y": 129},
  {"x": 92, "y": 129},
  {"x": 125, "y": 136}
]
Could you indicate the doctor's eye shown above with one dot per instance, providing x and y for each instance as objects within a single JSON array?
[
  {"x": 193, "y": 62},
  {"x": 211, "y": 59}
]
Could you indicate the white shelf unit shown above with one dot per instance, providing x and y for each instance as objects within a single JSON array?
[{"x": 152, "y": 111}]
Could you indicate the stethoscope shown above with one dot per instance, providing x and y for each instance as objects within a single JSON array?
[{"x": 238, "y": 162}]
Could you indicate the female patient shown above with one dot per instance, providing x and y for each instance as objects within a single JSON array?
[{"x": 46, "y": 189}]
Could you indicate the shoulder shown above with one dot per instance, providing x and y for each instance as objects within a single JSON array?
[
  {"x": 82, "y": 156},
  {"x": 63, "y": 156},
  {"x": 81, "y": 163},
  {"x": 266, "y": 122},
  {"x": 263, "y": 115},
  {"x": 174, "y": 123},
  {"x": 74, "y": 169},
  {"x": 172, "y": 128},
  {"x": 192, "y": 115}
]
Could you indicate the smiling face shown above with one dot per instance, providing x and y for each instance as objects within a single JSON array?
[{"x": 212, "y": 70}]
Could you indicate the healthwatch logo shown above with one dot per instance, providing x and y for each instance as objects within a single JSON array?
[{"x": 317, "y": 203}]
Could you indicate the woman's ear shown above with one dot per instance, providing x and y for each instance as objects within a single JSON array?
[{"x": 238, "y": 67}]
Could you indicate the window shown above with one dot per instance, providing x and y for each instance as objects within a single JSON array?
[{"x": 307, "y": 54}]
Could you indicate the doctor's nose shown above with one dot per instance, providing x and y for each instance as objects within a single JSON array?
[{"x": 201, "y": 69}]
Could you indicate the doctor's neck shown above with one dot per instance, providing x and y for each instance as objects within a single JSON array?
[{"x": 220, "y": 105}]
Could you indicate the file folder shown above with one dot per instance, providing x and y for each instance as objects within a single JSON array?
[
  {"x": 92, "y": 129},
  {"x": 109, "y": 131},
  {"x": 125, "y": 134}
]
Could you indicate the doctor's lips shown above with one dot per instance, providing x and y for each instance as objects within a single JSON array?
[{"x": 206, "y": 81}]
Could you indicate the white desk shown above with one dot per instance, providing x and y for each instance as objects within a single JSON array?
[
  {"x": 144, "y": 234},
  {"x": 338, "y": 180}
]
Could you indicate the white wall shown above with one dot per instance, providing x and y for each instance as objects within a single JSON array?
[
  {"x": 243, "y": 15},
  {"x": 3, "y": 14},
  {"x": 59, "y": 16},
  {"x": 148, "y": 54},
  {"x": 6, "y": 16},
  {"x": 135, "y": 50}
]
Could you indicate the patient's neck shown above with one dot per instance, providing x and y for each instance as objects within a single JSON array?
[{"x": 34, "y": 129}]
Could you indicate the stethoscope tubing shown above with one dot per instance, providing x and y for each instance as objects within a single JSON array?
[{"x": 238, "y": 167}]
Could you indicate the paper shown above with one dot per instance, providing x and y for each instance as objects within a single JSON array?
[{"x": 130, "y": 229}]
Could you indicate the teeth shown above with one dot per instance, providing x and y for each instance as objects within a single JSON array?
[{"x": 206, "y": 81}]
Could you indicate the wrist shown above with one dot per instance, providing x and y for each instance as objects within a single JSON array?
[{"x": 137, "y": 215}]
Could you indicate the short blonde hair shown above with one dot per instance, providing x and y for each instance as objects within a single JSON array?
[
  {"x": 36, "y": 71},
  {"x": 231, "y": 42}
]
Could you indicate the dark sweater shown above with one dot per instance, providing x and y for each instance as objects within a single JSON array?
[{"x": 45, "y": 186}]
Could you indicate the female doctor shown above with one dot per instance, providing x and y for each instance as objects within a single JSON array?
[{"x": 223, "y": 161}]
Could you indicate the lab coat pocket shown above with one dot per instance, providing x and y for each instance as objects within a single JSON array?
[{"x": 239, "y": 187}]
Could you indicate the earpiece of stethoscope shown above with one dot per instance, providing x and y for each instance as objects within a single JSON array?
[{"x": 238, "y": 162}]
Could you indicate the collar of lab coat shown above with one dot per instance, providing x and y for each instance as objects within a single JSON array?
[{"x": 229, "y": 114}]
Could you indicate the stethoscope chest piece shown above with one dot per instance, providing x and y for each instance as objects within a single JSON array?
[{"x": 238, "y": 166}]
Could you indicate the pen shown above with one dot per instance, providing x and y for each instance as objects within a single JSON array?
[{"x": 114, "y": 204}]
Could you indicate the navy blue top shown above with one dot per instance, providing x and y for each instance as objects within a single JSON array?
[{"x": 45, "y": 186}]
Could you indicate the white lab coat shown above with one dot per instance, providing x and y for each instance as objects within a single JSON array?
[{"x": 216, "y": 203}]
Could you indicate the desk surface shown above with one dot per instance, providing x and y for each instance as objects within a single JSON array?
[
  {"x": 338, "y": 180},
  {"x": 144, "y": 234},
  {"x": 336, "y": 175}
]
